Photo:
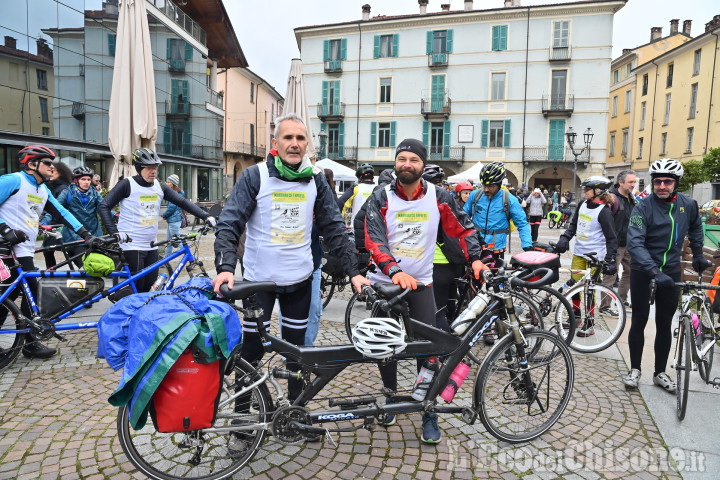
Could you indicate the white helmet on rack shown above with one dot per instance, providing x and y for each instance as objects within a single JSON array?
[
  {"x": 666, "y": 167},
  {"x": 379, "y": 338}
]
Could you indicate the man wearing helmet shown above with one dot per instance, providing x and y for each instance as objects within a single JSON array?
[
  {"x": 401, "y": 229},
  {"x": 658, "y": 226},
  {"x": 23, "y": 196},
  {"x": 354, "y": 198},
  {"x": 140, "y": 197},
  {"x": 492, "y": 209}
]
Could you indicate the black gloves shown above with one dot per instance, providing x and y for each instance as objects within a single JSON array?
[
  {"x": 700, "y": 263},
  {"x": 562, "y": 245},
  {"x": 90, "y": 240},
  {"x": 528, "y": 249},
  {"x": 13, "y": 237},
  {"x": 610, "y": 268},
  {"x": 663, "y": 281}
]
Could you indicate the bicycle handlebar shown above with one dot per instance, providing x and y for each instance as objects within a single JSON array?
[{"x": 181, "y": 238}]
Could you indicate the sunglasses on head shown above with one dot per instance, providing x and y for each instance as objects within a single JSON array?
[{"x": 663, "y": 181}]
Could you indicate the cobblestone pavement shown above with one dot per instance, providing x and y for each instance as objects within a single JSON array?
[{"x": 55, "y": 422}]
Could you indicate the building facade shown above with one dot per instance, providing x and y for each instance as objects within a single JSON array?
[
  {"x": 189, "y": 43},
  {"x": 476, "y": 85},
  {"x": 678, "y": 90}
]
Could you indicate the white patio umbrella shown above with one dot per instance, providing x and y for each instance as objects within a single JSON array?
[
  {"x": 296, "y": 101},
  {"x": 133, "y": 115}
]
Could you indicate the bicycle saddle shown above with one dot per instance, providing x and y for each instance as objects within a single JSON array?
[
  {"x": 244, "y": 289},
  {"x": 390, "y": 290}
]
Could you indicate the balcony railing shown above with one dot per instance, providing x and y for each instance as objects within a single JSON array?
[
  {"x": 78, "y": 110},
  {"x": 206, "y": 152},
  {"x": 245, "y": 148},
  {"x": 558, "y": 105},
  {"x": 215, "y": 98},
  {"x": 454, "y": 153},
  {"x": 553, "y": 153},
  {"x": 438, "y": 60},
  {"x": 174, "y": 13},
  {"x": 344, "y": 153},
  {"x": 177, "y": 108},
  {"x": 560, "y": 54},
  {"x": 333, "y": 66},
  {"x": 436, "y": 105},
  {"x": 332, "y": 111},
  {"x": 183, "y": 150},
  {"x": 177, "y": 65}
]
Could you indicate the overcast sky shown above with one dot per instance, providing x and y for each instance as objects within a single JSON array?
[{"x": 265, "y": 28}]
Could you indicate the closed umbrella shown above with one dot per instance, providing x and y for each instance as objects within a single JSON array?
[
  {"x": 296, "y": 100},
  {"x": 133, "y": 115}
]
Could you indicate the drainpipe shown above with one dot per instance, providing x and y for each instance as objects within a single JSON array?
[
  {"x": 527, "y": 52},
  {"x": 712, "y": 83},
  {"x": 357, "y": 113},
  {"x": 257, "y": 100}
]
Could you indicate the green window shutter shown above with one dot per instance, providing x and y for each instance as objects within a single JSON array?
[
  {"x": 169, "y": 48},
  {"x": 341, "y": 138},
  {"x": 429, "y": 43},
  {"x": 343, "y": 49},
  {"x": 167, "y": 138},
  {"x": 186, "y": 92},
  {"x": 495, "y": 38},
  {"x": 376, "y": 46},
  {"x": 373, "y": 134},
  {"x": 449, "y": 41},
  {"x": 503, "y": 37},
  {"x": 187, "y": 139},
  {"x": 506, "y": 134},
  {"x": 326, "y": 50},
  {"x": 484, "y": 133},
  {"x": 426, "y": 133},
  {"x": 393, "y": 129},
  {"x": 188, "y": 52},
  {"x": 174, "y": 93},
  {"x": 446, "y": 139},
  {"x": 111, "y": 44},
  {"x": 325, "y": 95},
  {"x": 336, "y": 96},
  {"x": 395, "y": 44}
]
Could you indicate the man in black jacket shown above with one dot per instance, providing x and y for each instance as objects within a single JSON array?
[{"x": 624, "y": 203}]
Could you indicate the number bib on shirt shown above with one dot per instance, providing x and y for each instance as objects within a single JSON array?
[
  {"x": 289, "y": 213},
  {"x": 149, "y": 209},
  {"x": 36, "y": 203},
  {"x": 412, "y": 232}
]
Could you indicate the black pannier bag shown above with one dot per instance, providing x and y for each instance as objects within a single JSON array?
[{"x": 57, "y": 294}]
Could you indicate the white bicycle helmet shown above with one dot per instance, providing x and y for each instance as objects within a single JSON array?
[
  {"x": 379, "y": 338},
  {"x": 667, "y": 167}
]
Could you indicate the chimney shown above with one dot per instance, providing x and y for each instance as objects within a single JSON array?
[
  {"x": 468, "y": 5},
  {"x": 366, "y": 11},
  {"x": 10, "y": 42},
  {"x": 712, "y": 24},
  {"x": 44, "y": 50},
  {"x": 423, "y": 6},
  {"x": 508, "y": 3},
  {"x": 110, "y": 7},
  {"x": 626, "y": 51},
  {"x": 687, "y": 24},
  {"x": 655, "y": 34},
  {"x": 515, "y": 3},
  {"x": 674, "y": 26},
  {"x": 445, "y": 7}
]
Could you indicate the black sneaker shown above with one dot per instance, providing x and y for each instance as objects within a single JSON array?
[{"x": 37, "y": 350}]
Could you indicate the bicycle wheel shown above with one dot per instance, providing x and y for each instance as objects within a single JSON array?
[
  {"x": 683, "y": 365},
  {"x": 202, "y": 454},
  {"x": 10, "y": 343},
  {"x": 551, "y": 223},
  {"x": 708, "y": 339},
  {"x": 596, "y": 330},
  {"x": 327, "y": 287},
  {"x": 557, "y": 311},
  {"x": 520, "y": 401}
]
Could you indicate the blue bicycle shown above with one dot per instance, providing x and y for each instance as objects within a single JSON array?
[{"x": 63, "y": 293}]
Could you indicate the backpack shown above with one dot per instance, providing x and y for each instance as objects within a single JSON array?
[
  {"x": 712, "y": 294},
  {"x": 506, "y": 208}
]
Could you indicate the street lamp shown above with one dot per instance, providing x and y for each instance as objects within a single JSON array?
[
  {"x": 571, "y": 137},
  {"x": 323, "y": 137}
]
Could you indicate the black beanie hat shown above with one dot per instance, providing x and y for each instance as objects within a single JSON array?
[{"x": 412, "y": 145}]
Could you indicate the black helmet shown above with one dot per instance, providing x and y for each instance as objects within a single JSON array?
[
  {"x": 82, "y": 172},
  {"x": 144, "y": 157},
  {"x": 597, "y": 183},
  {"x": 34, "y": 152},
  {"x": 365, "y": 172},
  {"x": 433, "y": 174},
  {"x": 493, "y": 173}
]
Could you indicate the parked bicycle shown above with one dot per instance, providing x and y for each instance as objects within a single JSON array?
[{"x": 522, "y": 388}]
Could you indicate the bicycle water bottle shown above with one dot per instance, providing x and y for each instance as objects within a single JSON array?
[
  {"x": 566, "y": 285},
  {"x": 457, "y": 377},
  {"x": 159, "y": 283},
  {"x": 422, "y": 384},
  {"x": 696, "y": 325},
  {"x": 474, "y": 308}
]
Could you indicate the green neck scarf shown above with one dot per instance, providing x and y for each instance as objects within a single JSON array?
[{"x": 304, "y": 170}]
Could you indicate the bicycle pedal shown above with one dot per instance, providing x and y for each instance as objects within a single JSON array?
[
  {"x": 469, "y": 415},
  {"x": 675, "y": 332}
]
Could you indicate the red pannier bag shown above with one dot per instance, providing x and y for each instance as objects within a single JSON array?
[
  {"x": 533, "y": 260},
  {"x": 188, "y": 396}
]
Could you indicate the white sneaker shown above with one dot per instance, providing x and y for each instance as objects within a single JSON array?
[
  {"x": 663, "y": 380},
  {"x": 632, "y": 379}
]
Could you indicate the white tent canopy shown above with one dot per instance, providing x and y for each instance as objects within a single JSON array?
[
  {"x": 340, "y": 172},
  {"x": 472, "y": 173}
]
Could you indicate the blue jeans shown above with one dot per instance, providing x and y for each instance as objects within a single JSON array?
[
  {"x": 173, "y": 229},
  {"x": 316, "y": 309}
]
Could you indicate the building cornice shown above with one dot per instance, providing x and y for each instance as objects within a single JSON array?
[{"x": 681, "y": 49}]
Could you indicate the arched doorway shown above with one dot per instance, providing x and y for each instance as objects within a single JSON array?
[{"x": 552, "y": 178}]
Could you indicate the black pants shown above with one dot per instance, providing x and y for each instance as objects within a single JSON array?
[
  {"x": 422, "y": 308},
  {"x": 666, "y": 303},
  {"x": 50, "y": 255},
  {"x": 27, "y": 264},
  {"x": 444, "y": 289},
  {"x": 139, "y": 259},
  {"x": 535, "y": 226}
]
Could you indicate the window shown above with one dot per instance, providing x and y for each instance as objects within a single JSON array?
[
  {"x": 670, "y": 69},
  {"x": 334, "y": 51},
  {"x": 628, "y": 69},
  {"x": 498, "y": 86},
  {"x": 386, "y": 90},
  {"x": 111, "y": 44},
  {"x": 614, "y": 109},
  {"x": 46, "y": 131},
  {"x": 561, "y": 34},
  {"x": 643, "y": 110},
  {"x": 499, "y": 38},
  {"x": 696, "y": 62},
  {"x": 663, "y": 143},
  {"x": 331, "y": 97},
  {"x": 178, "y": 138},
  {"x": 640, "y": 147},
  {"x": 612, "y": 145},
  {"x": 495, "y": 134},
  {"x": 252, "y": 136},
  {"x": 628, "y": 99},
  {"x": 616, "y": 76},
  {"x": 41, "y": 79},
  {"x": 693, "y": 99},
  {"x": 272, "y": 112},
  {"x": 439, "y": 41},
  {"x": 382, "y": 135},
  {"x": 252, "y": 92},
  {"x": 690, "y": 133},
  {"x": 558, "y": 89},
  {"x": 179, "y": 96},
  {"x": 44, "y": 109},
  {"x": 385, "y": 46},
  {"x": 645, "y": 84},
  {"x": 436, "y": 136},
  {"x": 336, "y": 140},
  {"x": 667, "y": 109},
  {"x": 624, "y": 150}
]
